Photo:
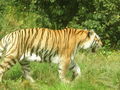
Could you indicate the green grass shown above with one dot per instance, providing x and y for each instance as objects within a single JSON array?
[{"x": 99, "y": 72}]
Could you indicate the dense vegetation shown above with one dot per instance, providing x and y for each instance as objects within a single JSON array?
[
  {"x": 101, "y": 15},
  {"x": 100, "y": 71}
]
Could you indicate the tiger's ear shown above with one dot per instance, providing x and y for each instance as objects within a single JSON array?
[{"x": 90, "y": 33}]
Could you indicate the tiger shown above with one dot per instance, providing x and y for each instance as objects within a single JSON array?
[{"x": 46, "y": 45}]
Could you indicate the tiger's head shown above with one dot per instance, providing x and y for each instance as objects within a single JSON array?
[{"x": 91, "y": 40}]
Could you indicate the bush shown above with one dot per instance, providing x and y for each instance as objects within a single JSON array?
[{"x": 101, "y": 15}]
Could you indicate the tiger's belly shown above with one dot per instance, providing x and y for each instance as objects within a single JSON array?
[
  {"x": 30, "y": 57},
  {"x": 56, "y": 59},
  {"x": 34, "y": 57},
  {"x": 41, "y": 58}
]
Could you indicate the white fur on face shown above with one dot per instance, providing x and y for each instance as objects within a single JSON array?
[{"x": 88, "y": 43}]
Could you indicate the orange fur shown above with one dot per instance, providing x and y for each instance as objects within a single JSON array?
[{"x": 45, "y": 44}]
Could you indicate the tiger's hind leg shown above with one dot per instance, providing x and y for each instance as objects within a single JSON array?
[
  {"x": 6, "y": 64},
  {"x": 26, "y": 70}
]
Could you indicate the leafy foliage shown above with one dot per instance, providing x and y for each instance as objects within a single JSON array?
[{"x": 101, "y": 15}]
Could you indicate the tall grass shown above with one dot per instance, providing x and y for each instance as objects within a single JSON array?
[{"x": 99, "y": 72}]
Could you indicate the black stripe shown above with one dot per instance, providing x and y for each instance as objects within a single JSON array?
[
  {"x": 13, "y": 40},
  {"x": 28, "y": 33},
  {"x": 20, "y": 37},
  {"x": 26, "y": 66},
  {"x": 50, "y": 58},
  {"x": 37, "y": 52},
  {"x": 22, "y": 41},
  {"x": 64, "y": 32},
  {"x": 46, "y": 55},
  {"x": 46, "y": 43},
  {"x": 29, "y": 36},
  {"x": 27, "y": 69},
  {"x": 54, "y": 39},
  {"x": 12, "y": 35},
  {"x": 19, "y": 47},
  {"x": 24, "y": 36},
  {"x": 25, "y": 63},
  {"x": 36, "y": 33},
  {"x": 72, "y": 67},
  {"x": 1, "y": 66},
  {"x": 17, "y": 43},
  {"x": 80, "y": 32},
  {"x": 32, "y": 30},
  {"x": 32, "y": 50},
  {"x": 58, "y": 41},
  {"x": 40, "y": 54},
  {"x": 59, "y": 68},
  {"x": 14, "y": 61},
  {"x": 50, "y": 51},
  {"x": 34, "y": 37},
  {"x": 37, "y": 46},
  {"x": 64, "y": 36},
  {"x": 10, "y": 64},
  {"x": 74, "y": 30},
  {"x": 59, "y": 33},
  {"x": 39, "y": 43},
  {"x": 70, "y": 31},
  {"x": 8, "y": 37}
]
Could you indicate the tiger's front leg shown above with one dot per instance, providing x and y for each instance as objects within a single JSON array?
[
  {"x": 76, "y": 71},
  {"x": 63, "y": 67}
]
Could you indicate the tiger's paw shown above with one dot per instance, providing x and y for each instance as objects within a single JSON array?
[
  {"x": 29, "y": 78},
  {"x": 1, "y": 75},
  {"x": 66, "y": 81}
]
